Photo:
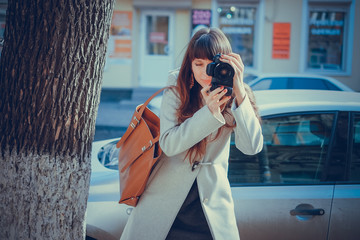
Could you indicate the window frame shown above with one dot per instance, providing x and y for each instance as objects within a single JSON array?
[
  {"x": 348, "y": 6},
  {"x": 349, "y": 154}
]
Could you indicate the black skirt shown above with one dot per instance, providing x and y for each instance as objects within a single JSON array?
[{"x": 190, "y": 223}]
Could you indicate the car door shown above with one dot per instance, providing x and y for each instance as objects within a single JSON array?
[
  {"x": 284, "y": 191},
  {"x": 345, "y": 217}
]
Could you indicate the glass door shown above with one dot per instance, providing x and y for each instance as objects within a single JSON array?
[{"x": 156, "y": 55}]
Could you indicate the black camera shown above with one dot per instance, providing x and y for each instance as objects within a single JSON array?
[{"x": 222, "y": 74}]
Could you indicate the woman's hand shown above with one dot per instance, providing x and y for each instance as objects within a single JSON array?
[
  {"x": 238, "y": 85},
  {"x": 216, "y": 99}
]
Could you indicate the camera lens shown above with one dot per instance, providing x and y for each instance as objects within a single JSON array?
[{"x": 224, "y": 72}]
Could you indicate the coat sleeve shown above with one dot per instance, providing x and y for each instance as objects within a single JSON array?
[
  {"x": 248, "y": 133},
  {"x": 176, "y": 138}
]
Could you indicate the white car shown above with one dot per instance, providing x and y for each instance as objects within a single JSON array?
[
  {"x": 105, "y": 218},
  {"x": 305, "y": 184},
  {"x": 294, "y": 81}
]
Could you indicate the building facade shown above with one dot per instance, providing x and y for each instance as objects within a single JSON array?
[{"x": 273, "y": 36}]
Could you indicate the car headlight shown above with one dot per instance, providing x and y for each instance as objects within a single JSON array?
[{"x": 108, "y": 155}]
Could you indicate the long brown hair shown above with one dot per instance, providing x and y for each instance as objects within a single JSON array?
[{"x": 205, "y": 44}]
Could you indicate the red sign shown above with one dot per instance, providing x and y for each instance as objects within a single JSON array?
[{"x": 281, "y": 40}]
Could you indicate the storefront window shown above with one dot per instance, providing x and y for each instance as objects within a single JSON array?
[
  {"x": 238, "y": 24},
  {"x": 327, "y": 39}
]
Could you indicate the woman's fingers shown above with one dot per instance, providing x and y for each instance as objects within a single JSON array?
[
  {"x": 234, "y": 60},
  {"x": 215, "y": 99},
  {"x": 218, "y": 100},
  {"x": 238, "y": 58},
  {"x": 220, "y": 94},
  {"x": 207, "y": 94},
  {"x": 223, "y": 101},
  {"x": 205, "y": 91},
  {"x": 216, "y": 91}
]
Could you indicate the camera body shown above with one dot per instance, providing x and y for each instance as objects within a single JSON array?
[{"x": 222, "y": 74}]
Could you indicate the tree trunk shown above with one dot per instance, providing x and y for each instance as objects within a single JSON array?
[{"x": 50, "y": 83}]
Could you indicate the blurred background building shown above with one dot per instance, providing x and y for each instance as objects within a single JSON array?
[{"x": 148, "y": 38}]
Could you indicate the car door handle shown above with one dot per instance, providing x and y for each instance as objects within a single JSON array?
[{"x": 318, "y": 211}]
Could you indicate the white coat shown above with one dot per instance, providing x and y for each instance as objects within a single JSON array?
[{"x": 173, "y": 177}]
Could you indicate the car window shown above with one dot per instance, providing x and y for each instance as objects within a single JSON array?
[
  {"x": 331, "y": 86},
  {"x": 248, "y": 78},
  {"x": 295, "y": 149},
  {"x": 308, "y": 83},
  {"x": 336, "y": 167},
  {"x": 270, "y": 83},
  {"x": 355, "y": 155}
]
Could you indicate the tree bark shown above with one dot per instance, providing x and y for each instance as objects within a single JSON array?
[{"x": 50, "y": 83}]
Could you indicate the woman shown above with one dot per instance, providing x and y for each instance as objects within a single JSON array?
[{"x": 188, "y": 195}]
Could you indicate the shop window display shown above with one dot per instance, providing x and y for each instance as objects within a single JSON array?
[
  {"x": 327, "y": 37},
  {"x": 238, "y": 24}
]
